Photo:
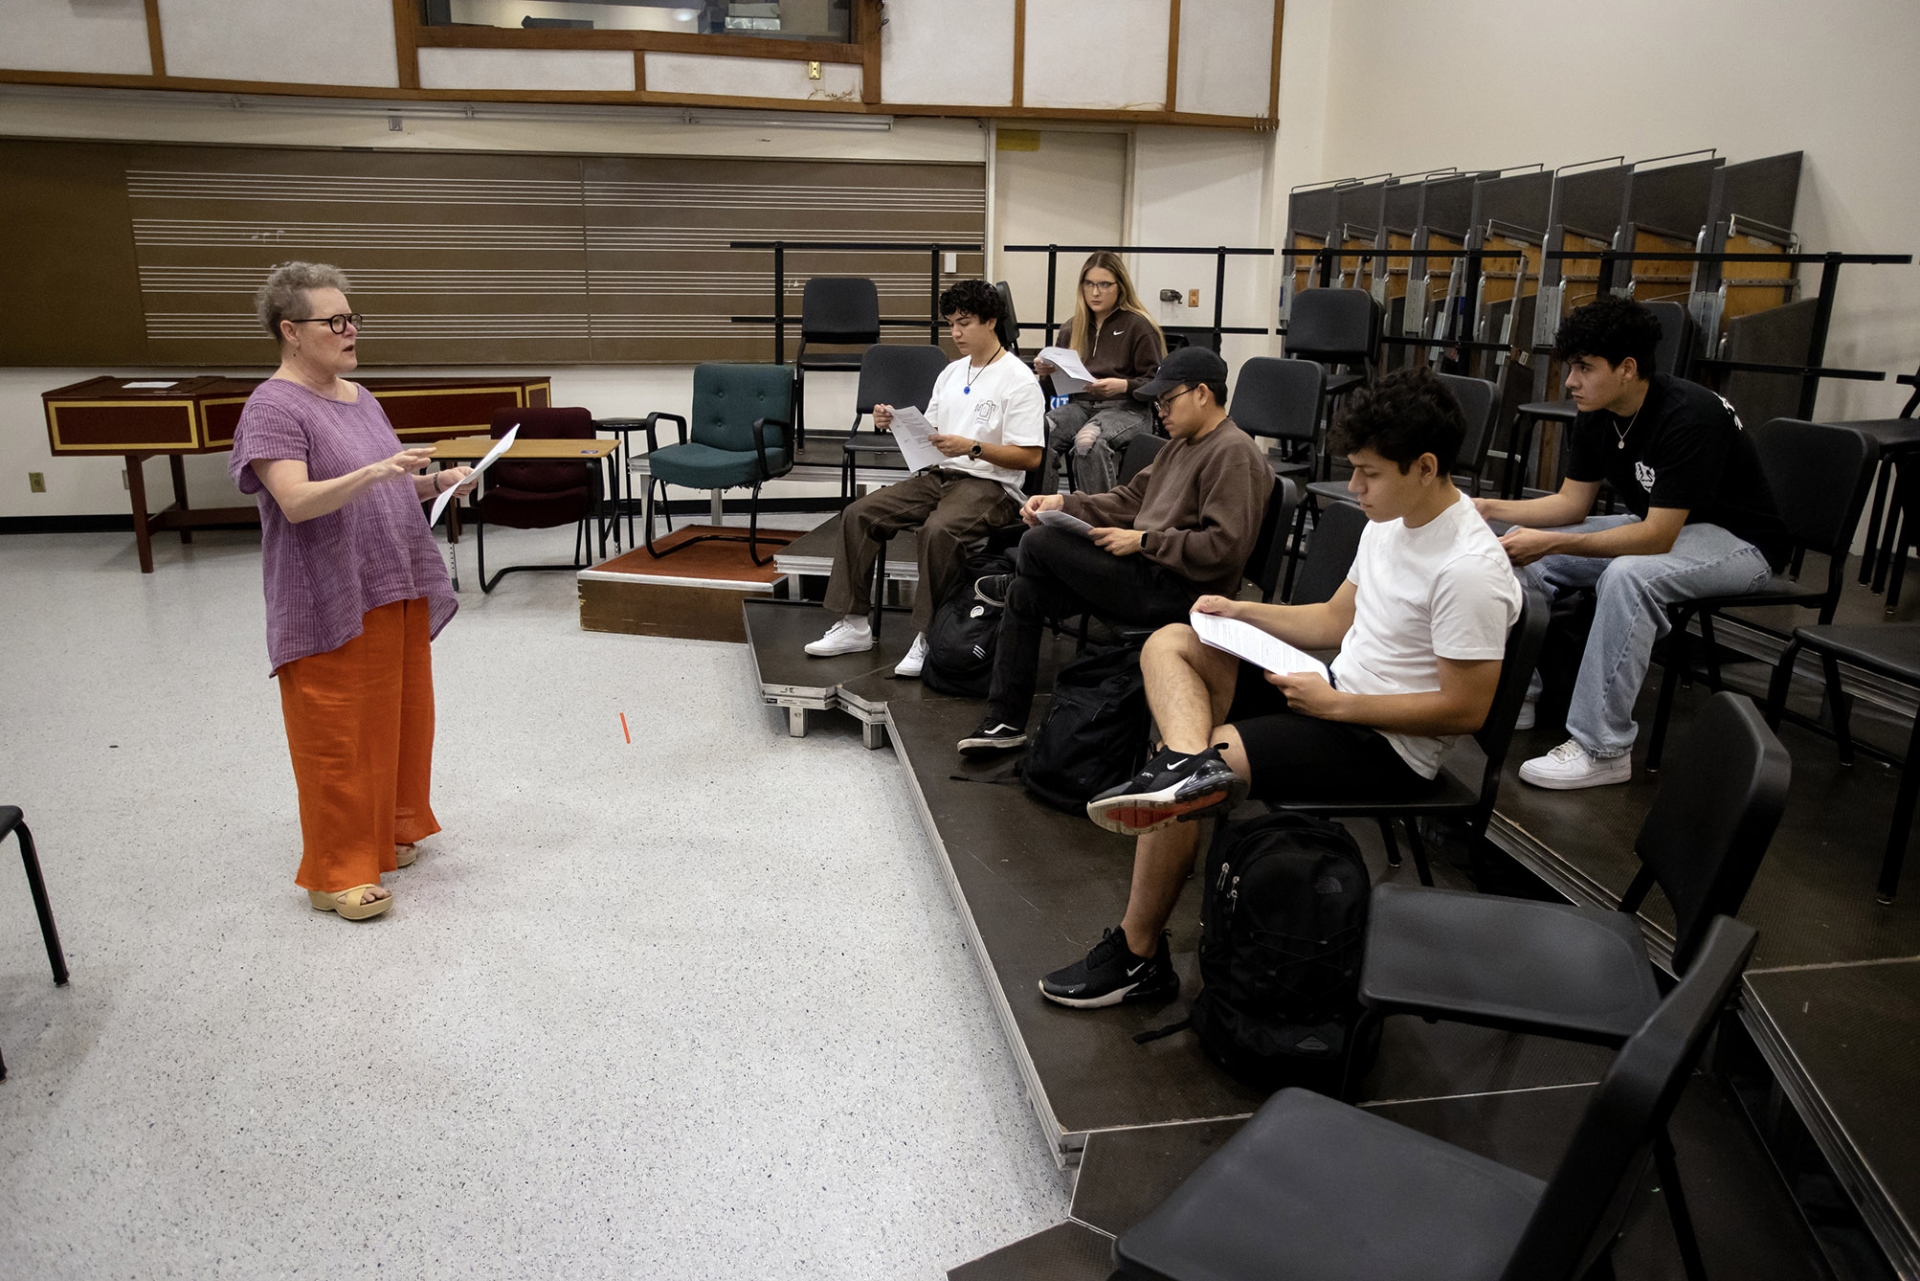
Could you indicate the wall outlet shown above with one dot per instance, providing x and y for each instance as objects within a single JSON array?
[
  {"x": 813, "y": 71},
  {"x": 950, "y": 263},
  {"x": 36, "y": 482},
  {"x": 1193, "y": 297}
]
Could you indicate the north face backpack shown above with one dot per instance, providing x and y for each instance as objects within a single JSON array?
[
  {"x": 962, "y": 636},
  {"x": 1282, "y": 928},
  {"x": 1094, "y": 735}
]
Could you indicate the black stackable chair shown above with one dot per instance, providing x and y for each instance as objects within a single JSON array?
[
  {"x": 890, "y": 374},
  {"x": 539, "y": 494},
  {"x": 13, "y": 821},
  {"x": 1279, "y": 399},
  {"x": 1335, "y": 327},
  {"x": 1460, "y": 792},
  {"x": 1890, "y": 651},
  {"x": 1008, "y": 326},
  {"x": 1477, "y": 399},
  {"x": 839, "y": 311},
  {"x": 1315, "y": 577},
  {"x": 1819, "y": 474},
  {"x": 1315, "y": 1190}
]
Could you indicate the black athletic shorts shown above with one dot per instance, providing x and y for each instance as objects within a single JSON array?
[{"x": 1295, "y": 757}]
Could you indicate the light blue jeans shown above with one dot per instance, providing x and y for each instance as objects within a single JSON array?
[{"x": 1633, "y": 593}]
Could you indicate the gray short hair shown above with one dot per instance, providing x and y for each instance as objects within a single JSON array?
[{"x": 286, "y": 291}]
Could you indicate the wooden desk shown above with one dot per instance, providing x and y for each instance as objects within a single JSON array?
[{"x": 196, "y": 414}]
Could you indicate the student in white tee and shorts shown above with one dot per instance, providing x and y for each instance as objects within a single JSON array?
[
  {"x": 1421, "y": 625},
  {"x": 989, "y": 419}
]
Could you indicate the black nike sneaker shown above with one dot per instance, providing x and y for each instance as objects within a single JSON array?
[
  {"x": 1173, "y": 786},
  {"x": 992, "y": 736},
  {"x": 992, "y": 589},
  {"x": 1111, "y": 974}
]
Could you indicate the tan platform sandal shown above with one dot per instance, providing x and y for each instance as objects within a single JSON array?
[
  {"x": 352, "y": 904},
  {"x": 403, "y": 855}
]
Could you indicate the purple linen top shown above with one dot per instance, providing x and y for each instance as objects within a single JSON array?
[{"x": 323, "y": 575}]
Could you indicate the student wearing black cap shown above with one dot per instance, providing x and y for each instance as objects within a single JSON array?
[{"x": 1181, "y": 528}]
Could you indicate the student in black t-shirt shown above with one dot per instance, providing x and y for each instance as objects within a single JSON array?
[{"x": 1702, "y": 523}]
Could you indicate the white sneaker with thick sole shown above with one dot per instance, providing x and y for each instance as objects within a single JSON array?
[
  {"x": 1568, "y": 767},
  {"x": 915, "y": 660},
  {"x": 843, "y": 638},
  {"x": 1529, "y": 713}
]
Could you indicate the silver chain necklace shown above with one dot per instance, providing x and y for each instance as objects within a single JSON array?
[{"x": 1624, "y": 432}]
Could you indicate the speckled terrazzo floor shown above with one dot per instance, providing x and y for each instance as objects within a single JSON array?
[{"x": 694, "y": 1007}]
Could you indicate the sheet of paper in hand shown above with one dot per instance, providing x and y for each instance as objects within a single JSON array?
[
  {"x": 1257, "y": 647},
  {"x": 911, "y": 429},
  {"x": 1070, "y": 373},
  {"x": 446, "y": 495},
  {"x": 1060, "y": 520}
]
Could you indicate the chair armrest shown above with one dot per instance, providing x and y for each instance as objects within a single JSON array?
[
  {"x": 647, "y": 426},
  {"x": 760, "y": 426}
]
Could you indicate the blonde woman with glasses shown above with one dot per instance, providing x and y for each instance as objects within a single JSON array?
[{"x": 1121, "y": 347}]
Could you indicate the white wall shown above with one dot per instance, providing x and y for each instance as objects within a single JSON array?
[
  {"x": 108, "y": 36},
  {"x": 341, "y": 42},
  {"x": 1417, "y": 83}
]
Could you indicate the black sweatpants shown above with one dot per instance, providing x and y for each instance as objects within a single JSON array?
[{"x": 1060, "y": 574}]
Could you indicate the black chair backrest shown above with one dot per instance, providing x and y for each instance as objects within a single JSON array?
[
  {"x": 1477, "y": 397},
  {"x": 1008, "y": 326},
  {"x": 541, "y": 424},
  {"x": 1524, "y": 638},
  {"x": 1720, "y": 799},
  {"x": 1584, "y": 1202},
  {"x": 1819, "y": 474},
  {"x": 1139, "y": 450},
  {"x": 1270, "y": 547},
  {"x": 1333, "y": 325},
  {"x": 1336, "y": 540},
  {"x": 1277, "y": 397},
  {"x": 897, "y": 375},
  {"x": 1676, "y": 332},
  {"x": 840, "y": 309}
]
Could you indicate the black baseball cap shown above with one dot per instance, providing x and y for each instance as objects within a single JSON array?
[{"x": 1182, "y": 367}]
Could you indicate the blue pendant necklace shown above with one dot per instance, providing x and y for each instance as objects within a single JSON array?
[{"x": 973, "y": 373}]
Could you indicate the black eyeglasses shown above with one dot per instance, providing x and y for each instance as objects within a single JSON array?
[
  {"x": 1164, "y": 403},
  {"x": 336, "y": 323},
  {"x": 1099, "y": 284}
]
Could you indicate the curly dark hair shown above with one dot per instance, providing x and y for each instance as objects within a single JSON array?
[
  {"x": 974, "y": 298},
  {"x": 1408, "y": 413},
  {"x": 1613, "y": 329}
]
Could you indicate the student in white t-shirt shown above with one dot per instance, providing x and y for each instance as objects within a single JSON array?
[
  {"x": 1421, "y": 624},
  {"x": 989, "y": 419}
]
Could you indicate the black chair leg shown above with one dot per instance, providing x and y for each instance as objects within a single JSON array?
[
  {"x": 1298, "y": 549},
  {"x": 1669, "y": 682},
  {"x": 1669, "y": 1170},
  {"x": 480, "y": 549},
  {"x": 1840, "y": 703},
  {"x": 753, "y": 527},
  {"x": 1902, "y": 819},
  {"x": 37, "y": 886},
  {"x": 1418, "y": 845},
  {"x": 1364, "y": 1027},
  {"x": 1776, "y": 708},
  {"x": 1388, "y": 839},
  {"x": 1875, "y": 511},
  {"x": 1712, "y": 648}
]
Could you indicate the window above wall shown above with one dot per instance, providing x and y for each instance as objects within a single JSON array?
[{"x": 811, "y": 21}]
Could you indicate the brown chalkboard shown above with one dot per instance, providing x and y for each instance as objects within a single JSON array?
[{"x": 139, "y": 254}]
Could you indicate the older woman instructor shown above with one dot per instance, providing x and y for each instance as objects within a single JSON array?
[{"x": 355, "y": 591}]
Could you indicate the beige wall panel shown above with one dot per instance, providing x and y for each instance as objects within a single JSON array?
[
  {"x": 107, "y": 37},
  {"x": 572, "y": 69},
  {"x": 1071, "y": 191},
  {"x": 1107, "y": 54},
  {"x": 1226, "y": 49},
  {"x": 340, "y": 42},
  {"x": 937, "y": 51},
  {"x": 750, "y": 77}
]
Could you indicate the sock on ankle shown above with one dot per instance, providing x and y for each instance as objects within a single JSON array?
[{"x": 859, "y": 622}]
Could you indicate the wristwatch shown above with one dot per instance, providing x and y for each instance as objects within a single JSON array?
[{"x": 975, "y": 451}]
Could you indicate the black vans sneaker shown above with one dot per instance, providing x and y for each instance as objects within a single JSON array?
[
  {"x": 1173, "y": 786},
  {"x": 993, "y": 589},
  {"x": 1111, "y": 974},
  {"x": 993, "y": 736}
]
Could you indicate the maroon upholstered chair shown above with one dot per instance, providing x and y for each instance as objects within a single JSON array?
[{"x": 537, "y": 495}]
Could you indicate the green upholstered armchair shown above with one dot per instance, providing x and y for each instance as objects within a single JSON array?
[{"x": 741, "y": 435}]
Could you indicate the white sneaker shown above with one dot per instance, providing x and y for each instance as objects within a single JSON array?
[
  {"x": 916, "y": 658},
  {"x": 843, "y": 638},
  {"x": 1568, "y": 767},
  {"x": 1529, "y": 713}
]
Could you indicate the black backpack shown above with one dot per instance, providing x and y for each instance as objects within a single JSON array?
[
  {"x": 1094, "y": 735},
  {"x": 1282, "y": 929},
  {"x": 963, "y": 633}
]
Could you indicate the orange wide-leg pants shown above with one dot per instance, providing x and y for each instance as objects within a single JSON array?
[{"x": 360, "y": 730}]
